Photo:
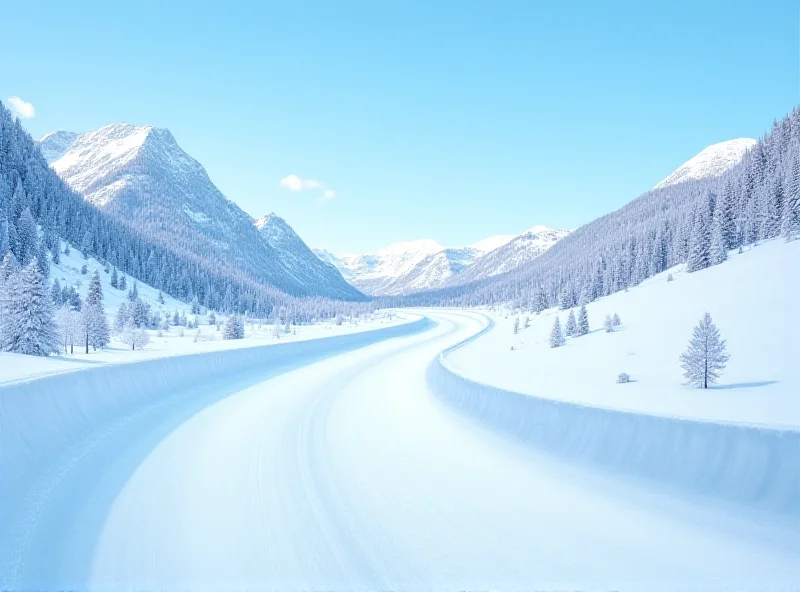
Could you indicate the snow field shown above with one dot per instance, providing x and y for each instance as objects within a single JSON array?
[{"x": 752, "y": 299}]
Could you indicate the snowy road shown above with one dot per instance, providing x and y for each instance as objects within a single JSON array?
[{"x": 349, "y": 474}]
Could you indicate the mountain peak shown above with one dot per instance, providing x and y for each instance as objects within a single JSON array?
[
  {"x": 712, "y": 161},
  {"x": 55, "y": 144}
]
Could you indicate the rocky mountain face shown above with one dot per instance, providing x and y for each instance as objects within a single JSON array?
[{"x": 141, "y": 176}]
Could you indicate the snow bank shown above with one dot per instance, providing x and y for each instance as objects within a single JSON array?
[
  {"x": 42, "y": 419},
  {"x": 757, "y": 467}
]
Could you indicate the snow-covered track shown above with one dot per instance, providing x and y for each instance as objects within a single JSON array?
[
  {"x": 48, "y": 424},
  {"x": 754, "y": 466}
]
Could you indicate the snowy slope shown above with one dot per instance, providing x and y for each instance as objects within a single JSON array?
[
  {"x": 753, "y": 301},
  {"x": 407, "y": 267},
  {"x": 140, "y": 175},
  {"x": 710, "y": 162}
]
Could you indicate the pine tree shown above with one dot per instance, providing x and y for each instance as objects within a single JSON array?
[
  {"x": 133, "y": 293},
  {"x": 28, "y": 239},
  {"x": 556, "y": 336},
  {"x": 567, "y": 299},
  {"x": 583, "y": 322},
  {"x": 700, "y": 243},
  {"x": 86, "y": 245},
  {"x": 96, "y": 331},
  {"x": 516, "y": 325},
  {"x": 123, "y": 284},
  {"x": 114, "y": 278},
  {"x": 160, "y": 297},
  {"x": 539, "y": 300},
  {"x": 27, "y": 325},
  {"x": 571, "y": 326},
  {"x": 55, "y": 252},
  {"x": 121, "y": 318},
  {"x": 615, "y": 320},
  {"x": 55, "y": 293},
  {"x": 232, "y": 329},
  {"x": 608, "y": 324},
  {"x": 706, "y": 356},
  {"x": 718, "y": 250}
]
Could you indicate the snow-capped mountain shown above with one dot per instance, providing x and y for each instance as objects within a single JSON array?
[
  {"x": 710, "y": 162},
  {"x": 55, "y": 145},
  {"x": 295, "y": 255},
  {"x": 516, "y": 252},
  {"x": 141, "y": 176},
  {"x": 407, "y": 267}
]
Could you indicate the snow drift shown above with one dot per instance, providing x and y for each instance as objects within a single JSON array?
[
  {"x": 44, "y": 421},
  {"x": 755, "y": 467}
]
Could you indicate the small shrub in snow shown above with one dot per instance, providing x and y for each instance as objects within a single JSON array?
[
  {"x": 84, "y": 269},
  {"x": 616, "y": 320},
  {"x": 608, "y": 324},
  {"x": 526, "y": 322},
  {"x": 623, "y": 377},
  {"x": 669, "y": 277},
  {"x": 516, "y": 325}
]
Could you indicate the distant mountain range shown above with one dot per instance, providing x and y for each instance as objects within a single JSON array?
[
  {"x": 407, "y": 267},
  {"x": 142, "y": 177},
  {"x": 139, "y": 175}
]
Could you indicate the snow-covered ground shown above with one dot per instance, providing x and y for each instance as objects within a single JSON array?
[
  {"x": 348, "y": 473},
  {"x": 178, "y": 340},
  {"x": 753, "y": 300}
]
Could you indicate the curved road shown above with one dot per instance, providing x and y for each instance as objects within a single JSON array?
[{"x": 349, "y": 474}]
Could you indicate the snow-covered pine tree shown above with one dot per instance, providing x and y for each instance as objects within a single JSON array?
[
  {"x": 232, "y": 328},
  {"x": 123, "y": 283},
  {"x": 27, "y": 325},
  {"x": 718, "y": 250},
  {"x": 121, "y": 318},
  {"x": 95, "y": 324},
  {"x": 114, "y": 278},
  {"x": 526, "y": 322},
  {"x": 27, "y": 237},
  {"x": 583, "y": 322},
  {"x": 55, "y": 294},
  {"x": 567, "y": 298},
  {"x": 160, "y": 297},
  {"x": 556, "y": 336},
  {"x": 706, "y": 356},
  {"x": 516, "y": 325},
  {"x": 571, "y": 325},
  {"x": 700, "y": 243},
  {"x": 133, "y": 293},
  {"x": 608, "y": 324},
  {"x": 615, "y": 320},
  {"x": 86, "y": 245}
]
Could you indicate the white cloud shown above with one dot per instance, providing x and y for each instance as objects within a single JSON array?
[
  {"x": 20, "y": 108},
  {"x": 295, "y": 183}
]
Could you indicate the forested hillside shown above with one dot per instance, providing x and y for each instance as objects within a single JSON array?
[
  {"x": 693, "y": 222},
  {"x": 32, "y": 195}
]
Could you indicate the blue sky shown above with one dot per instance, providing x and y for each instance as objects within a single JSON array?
[{"x": 449, "y": 120}]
